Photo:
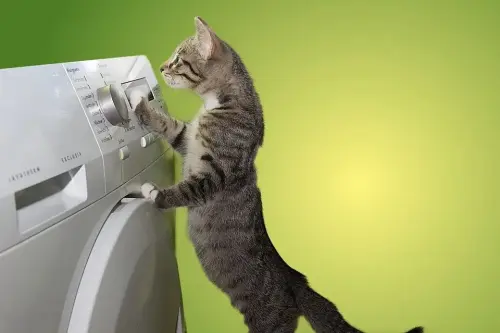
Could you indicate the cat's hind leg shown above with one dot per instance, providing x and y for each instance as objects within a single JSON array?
[
  {"x": 272, "y": 320},
  {"x": 287, "y": 326}
]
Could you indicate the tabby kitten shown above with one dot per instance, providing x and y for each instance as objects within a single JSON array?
[{"x": 219, "y": 187}]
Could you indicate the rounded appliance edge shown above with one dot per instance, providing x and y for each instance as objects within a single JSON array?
[
  {"x": 124, "y": 284},
  {"x": 115, "y": 197}
]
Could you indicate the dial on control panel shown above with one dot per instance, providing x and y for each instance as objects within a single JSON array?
[{"x": 111, "y": 99}]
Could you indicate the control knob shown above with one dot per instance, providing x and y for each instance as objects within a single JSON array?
[{"x": 111, "y": 99}]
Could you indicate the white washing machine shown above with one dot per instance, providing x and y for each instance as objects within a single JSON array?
[{"x": 78, "y": 254}]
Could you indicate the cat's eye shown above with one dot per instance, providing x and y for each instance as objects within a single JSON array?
[{"x": 176, "y": 59}]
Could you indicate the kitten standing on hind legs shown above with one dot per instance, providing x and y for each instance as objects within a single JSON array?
[{"x": 219, "y": 187}]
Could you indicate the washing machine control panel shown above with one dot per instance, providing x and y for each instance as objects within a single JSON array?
[
  {"x": 107, "y": 90},
  {"x": 104, "y": 88}
]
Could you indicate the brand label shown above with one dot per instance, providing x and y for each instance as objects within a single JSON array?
[
  {"x": 23, "y": 174},
  {"x": 72, "y": 70},
  {"x": 71, "y": 157}
]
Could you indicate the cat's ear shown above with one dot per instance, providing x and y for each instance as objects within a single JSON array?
[{"x": 210, "y": 45}]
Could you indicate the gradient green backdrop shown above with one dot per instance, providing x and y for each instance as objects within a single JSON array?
[{"x": 380, "y": 169}]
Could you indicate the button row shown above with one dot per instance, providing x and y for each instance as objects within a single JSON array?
[{"x": 146, "y": 140}]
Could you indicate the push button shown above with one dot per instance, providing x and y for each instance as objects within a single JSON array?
[
  {"x": 147, "y": 139},
  {"x": 124, "y": 153}
]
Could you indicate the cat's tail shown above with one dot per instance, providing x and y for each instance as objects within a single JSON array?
[
  {"x": 323, "y": 315},
  {"x": 419, "y": 329}
]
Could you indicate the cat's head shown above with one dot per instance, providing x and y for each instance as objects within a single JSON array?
[{"x": 199, "y": 60}]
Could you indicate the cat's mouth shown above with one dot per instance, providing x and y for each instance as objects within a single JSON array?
[
  {"x": 175, "y": 80},
  {"x": 169, "y": 79}
]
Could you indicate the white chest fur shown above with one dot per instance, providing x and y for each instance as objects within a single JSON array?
[
  {"x": 210, "y": 101},
  {"x": 195, "y": 149}
]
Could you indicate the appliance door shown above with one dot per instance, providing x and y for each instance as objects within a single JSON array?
[{"x": 130, "y": 283}]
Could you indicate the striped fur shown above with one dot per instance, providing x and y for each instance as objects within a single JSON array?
[{"x": 219, "y": 187}]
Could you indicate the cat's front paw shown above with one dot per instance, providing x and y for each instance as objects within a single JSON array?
[
  {"x": 135, "y": 98},
  {"x": 150, "y": 192},
  {"x": 142, "y": 110}
]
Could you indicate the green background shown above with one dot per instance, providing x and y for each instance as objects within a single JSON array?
[{"x": 380, "y": 168}]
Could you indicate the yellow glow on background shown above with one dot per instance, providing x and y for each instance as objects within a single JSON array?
[{"x": 380, "y": 167}]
